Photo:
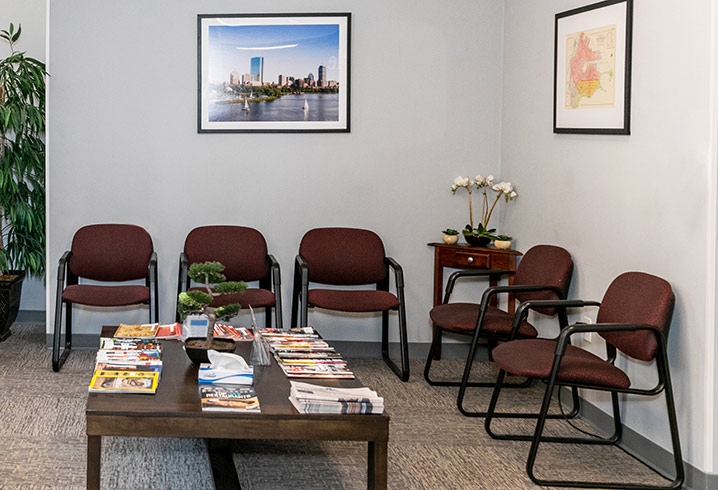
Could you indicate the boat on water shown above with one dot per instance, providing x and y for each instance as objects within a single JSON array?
[
  {"x": 306, "y": 105},
  {"x": 246, "y": 106}
]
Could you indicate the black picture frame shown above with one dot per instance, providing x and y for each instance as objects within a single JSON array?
[
  {"x": 234, "y": 51},
  {"x": 592, "y": 69}
]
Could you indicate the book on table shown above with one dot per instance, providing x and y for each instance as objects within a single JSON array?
[
  {"x": 147, "y": 330},
  {"x": 124, "y": 365},
  {"x": 113, "y": 343},
  {"x": 124, "y": 381},
  {"x": 238, "y": 334},
  {"x": 309, "y": 398},
  {"x": 218, "y": 398},
  {"x": 169, "y": 331}
]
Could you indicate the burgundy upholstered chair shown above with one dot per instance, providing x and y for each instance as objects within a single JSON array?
[
  {"x": 544, "y": 272},
  {"x": 106, "y": 253},
  {"x": 350, "y": 257},
  {"x": 243, "y": 252},
  {"x": 634, "y": 318}
]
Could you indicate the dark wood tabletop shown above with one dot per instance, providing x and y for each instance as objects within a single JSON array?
[{"x": 175, "y": 411}]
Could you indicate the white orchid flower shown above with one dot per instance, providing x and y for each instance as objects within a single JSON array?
[
  {"x": 513, "y": 194},
  {"x": 461, "y": 181}
]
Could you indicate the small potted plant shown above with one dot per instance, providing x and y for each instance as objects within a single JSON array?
[
  {"x": 482, "y": 235},
  {"x": 451, "y": 236},
  {"x": 503, "y": 242},
  {"x": 215, "y": 284}
]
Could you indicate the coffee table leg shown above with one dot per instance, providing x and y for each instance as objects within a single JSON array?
[
  {"x": 377, "y": 465},
  {"x": 94, "y": 455}
]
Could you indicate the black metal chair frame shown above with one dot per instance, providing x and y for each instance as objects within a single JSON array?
[
  {"x": 64, "y": 272},
  {"x": 271, "y": 282},
  {"x": 301, "y": 290},
  {"x": 520, "y": 315},
  {"x": 562, "y": 341}
]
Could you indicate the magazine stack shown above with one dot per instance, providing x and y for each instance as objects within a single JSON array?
[
  {"x": 309, "y": 398},
  {"x": 302, "y": 353},
  {"x": 127, "y": 365}
]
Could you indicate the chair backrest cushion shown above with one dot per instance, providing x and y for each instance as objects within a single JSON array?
[
  {"x": 545, "y": 265},
  {"x": 640, "y": 298},
  {"x": 343, "y": 256},
  {"x": 242, "y": 250},
  {"x": 111, "y": 252}
]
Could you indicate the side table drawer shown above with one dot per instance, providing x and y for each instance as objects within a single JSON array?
[
  {"x": 473, "y": 260},
  {"x": 456, "y": 258}
]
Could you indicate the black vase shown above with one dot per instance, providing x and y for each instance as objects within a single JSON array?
[
  {"x": 9, "y": 301},
  {"x": 477, "y": 241}
]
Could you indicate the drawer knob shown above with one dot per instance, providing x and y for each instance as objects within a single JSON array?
[{"x": 470, "y": 260}]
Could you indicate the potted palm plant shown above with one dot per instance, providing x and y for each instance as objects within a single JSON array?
[{"x": 22, "y": 175}]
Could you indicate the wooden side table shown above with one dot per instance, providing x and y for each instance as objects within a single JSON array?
[{"x": 469, "y": 257}]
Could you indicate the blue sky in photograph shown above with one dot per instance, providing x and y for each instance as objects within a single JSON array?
[{"x": 291, "y": 50}]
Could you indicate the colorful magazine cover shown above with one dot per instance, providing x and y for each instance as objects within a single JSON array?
[
  {"x": 229, "y": 398},
  {"x": 147, "y": 330},
  {"x": 122, "y": 381}
]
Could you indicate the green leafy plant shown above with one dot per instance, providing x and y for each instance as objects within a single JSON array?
[
  {"x": 450, "y": 231},
  {"x": 215, "y": 284},
  {"x": 503, "y": 238},
  {"x": 22, "y": 160},
  {"x": 479, "y": 231}
]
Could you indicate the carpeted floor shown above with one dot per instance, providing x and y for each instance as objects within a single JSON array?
[{"x": 432, "y": 446}]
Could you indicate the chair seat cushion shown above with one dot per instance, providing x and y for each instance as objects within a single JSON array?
[
  {"x": 461, "y": 318},
  {"x": 85, "y": 294},
  {"x": 352, "y": 301},
  {"x": 533, "y": 358},
  {"x": 256, "y": 298}
]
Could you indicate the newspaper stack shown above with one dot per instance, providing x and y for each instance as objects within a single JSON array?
[{"x": 309, "y": 398}]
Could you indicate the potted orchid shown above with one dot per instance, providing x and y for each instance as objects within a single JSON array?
[{"x": 482, "y": 234}]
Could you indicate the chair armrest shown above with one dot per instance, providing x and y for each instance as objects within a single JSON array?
[
  {"x": 398, "y": 271},
  {"x": 523, "y": 310},
  {"x": 515, "y": 288},
  {"x": 576, "y": 328},
  {"x": 182, "y": 281},
  {"x": 152, "y": 268},
  {"x": 274, "y": 268},
  {"x": 62, "y": 267},
  {"x": 302, "y": 268},
  {"x": 564, "y": 338},
  {"x": 459, "y": 274}
]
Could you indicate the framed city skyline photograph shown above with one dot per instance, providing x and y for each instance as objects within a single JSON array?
[
  {"x": 592, "y": 69},
  {"x": 272, "y": 73}
]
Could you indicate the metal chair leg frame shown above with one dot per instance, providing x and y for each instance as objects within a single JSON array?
[
  {"x": 499, "y": 382},
  {"x": 438, "y": 332},
  {"x": 673, "y": 485},
  {"x": 58, "y": 359},
  {"x": 402, "y": 373}
]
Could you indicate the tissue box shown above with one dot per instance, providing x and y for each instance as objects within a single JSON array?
[{"x": 210, "y": 375}]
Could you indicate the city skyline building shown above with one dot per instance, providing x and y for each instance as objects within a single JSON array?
[
  {"x": 234, "y": 78},
  {"x": 257, "y": 69},
  {"x": 322, "y": 82}
]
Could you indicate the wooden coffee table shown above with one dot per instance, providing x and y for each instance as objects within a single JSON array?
[{"x": 175, "y": 411}]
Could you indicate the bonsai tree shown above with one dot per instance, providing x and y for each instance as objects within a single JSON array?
[
  {"x": 215, "y": 284},
  {"x": 22, "y": 160}
]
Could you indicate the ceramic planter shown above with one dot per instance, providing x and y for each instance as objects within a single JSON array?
[
  {"x": 502, "y": 244},
  {"x": 9, "y": 301},
  {"x": 450, "y": 239}
]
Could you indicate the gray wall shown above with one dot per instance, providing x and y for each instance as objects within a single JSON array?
[
  {"x": 31, "y": 15},
  {"x": 124, "y": 146},
  {"x": 622, "y": 203}
]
